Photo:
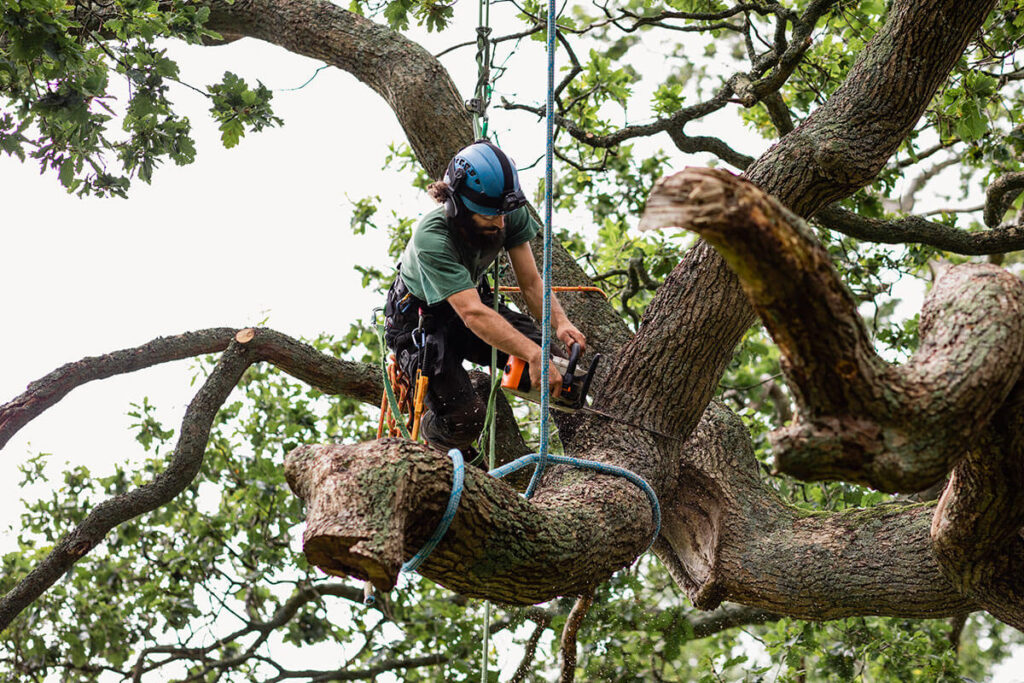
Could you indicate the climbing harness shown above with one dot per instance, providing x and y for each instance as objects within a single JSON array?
[
  {"x": 411, "y": 394},
  {"x": 391, "y": 406}
]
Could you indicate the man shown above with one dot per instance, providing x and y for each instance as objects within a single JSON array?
[{"x": 484, "y": 210}]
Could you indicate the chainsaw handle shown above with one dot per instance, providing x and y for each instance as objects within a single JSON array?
[{"x": 574, "y": 358}]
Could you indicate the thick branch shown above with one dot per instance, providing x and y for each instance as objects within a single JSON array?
[
  {"x": 977, "y": 526},
  {"x": 182, "y": 468},
  {"x": 727, "y": 536},
  {"x": 845, "y": 143},
  {"x": 371, "y": 506},
  {"x": 329, "y": 374},
  {"x": 49, "y": 390},
  {"x": 860, "y": 419},
  {"x": 997, "y": 240}
]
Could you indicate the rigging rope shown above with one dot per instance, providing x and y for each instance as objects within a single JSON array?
[
  {"x": 545, "y": 430},
  {"x": 479, "y": 106},
  {"x": 482, "y": 91}
]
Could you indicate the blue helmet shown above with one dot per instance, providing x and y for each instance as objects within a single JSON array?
[{"x": 484, "y": 180}]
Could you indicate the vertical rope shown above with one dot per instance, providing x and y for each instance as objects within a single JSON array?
[
  {"x": 482, "y": 99},
  {"x": 482, "y": 91},
  {"x": 546, "y": 322},
  {"x": 491, "y": 423}
]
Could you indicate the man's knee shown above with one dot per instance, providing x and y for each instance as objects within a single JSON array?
[{"x": 455, "y": 428}]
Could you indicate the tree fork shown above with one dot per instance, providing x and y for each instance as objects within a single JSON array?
[
  {"x": 728, "y": 536},
  {"x": 976, "y": 529}
]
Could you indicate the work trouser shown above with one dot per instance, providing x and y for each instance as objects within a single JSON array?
[{"x": 454, "y": 413}]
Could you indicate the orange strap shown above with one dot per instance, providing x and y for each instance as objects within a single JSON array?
[
  {"x": 597, "y": 290},
  {"x": 421, "y": 393},
  {"x": 403, "y": 395}
]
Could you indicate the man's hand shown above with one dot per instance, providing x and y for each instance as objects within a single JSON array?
[
  {"x": 569, "y": 335},
  {"x": 554, "y": 374}
]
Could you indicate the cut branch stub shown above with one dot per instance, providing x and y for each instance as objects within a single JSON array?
[
  {"x": 371, "y": 506},
  {"x": 860, "y": 419}
]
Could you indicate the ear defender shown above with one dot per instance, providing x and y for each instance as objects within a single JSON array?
[
  {"x": 451, "y": 205},
  {"x": 453, "y": 177}
]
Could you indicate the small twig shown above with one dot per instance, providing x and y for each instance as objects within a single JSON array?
[
  {"x": 752, "y": 386},
  {"x": 572, "y": 627},
  {"x": 530, "y": 650}
]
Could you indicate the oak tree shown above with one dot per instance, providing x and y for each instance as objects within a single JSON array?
[{"x": 917, "y": 424}]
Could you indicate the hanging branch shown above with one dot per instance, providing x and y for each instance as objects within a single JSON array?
[{"x": 572, "y": 627}]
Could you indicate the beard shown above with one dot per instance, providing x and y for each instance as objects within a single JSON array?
[{"x": 474, "y": 236}]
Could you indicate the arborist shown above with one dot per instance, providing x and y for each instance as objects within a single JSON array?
[{"x": 437, "y": 315}]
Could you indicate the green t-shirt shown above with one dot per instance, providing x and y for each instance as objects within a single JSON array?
[{"x": 437, "y": 264}]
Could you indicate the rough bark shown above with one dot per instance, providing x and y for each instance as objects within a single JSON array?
[
  {"x": 371, "y": 506},
  {"x": 843, "y": 145},
  {"x": 977, "y": 526},
  {"x": 727, "y": 536}
]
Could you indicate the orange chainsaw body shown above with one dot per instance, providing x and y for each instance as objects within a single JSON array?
[{"x": 572, "y": 394}]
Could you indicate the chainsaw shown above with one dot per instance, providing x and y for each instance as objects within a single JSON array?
[{"x": 570, "y": 397}]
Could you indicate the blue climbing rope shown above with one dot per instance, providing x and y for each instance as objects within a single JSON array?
[
  {"x": 600, "y": 467},
  {"x": 545, "y": 348},
  {"x": 458, "y": 474},
  {"x": 542, "y": 458}
]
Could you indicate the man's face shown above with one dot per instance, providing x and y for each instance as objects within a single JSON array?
[
  {"x": 483, "y": 232},
  {"x": 488, "y": 225}
]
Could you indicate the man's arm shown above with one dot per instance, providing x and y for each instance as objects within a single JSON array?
[
  {"x": 532, "y": 287},
  {"x": 487, "y": 324}
]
